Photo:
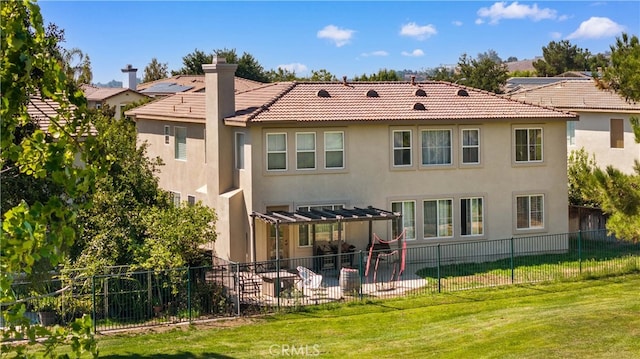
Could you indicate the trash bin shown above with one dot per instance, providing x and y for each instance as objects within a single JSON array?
[{"x": 350, "y": 281}]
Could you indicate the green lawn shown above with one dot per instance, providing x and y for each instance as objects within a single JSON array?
[{"x": 577, "y": 319}]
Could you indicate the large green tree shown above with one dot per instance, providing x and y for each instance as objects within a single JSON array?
[
  {"x": 381, "y": 75},
  {"x": 155, "y": 70},
  {"x": 192, "y": 63},
  {"x": 248, "y": 67},
  {"x": 36, "y": 235},
  {"x": 621, "y": 192},
  {"x": 483, "y": 73},
  {"x": 559, "y": 57}
]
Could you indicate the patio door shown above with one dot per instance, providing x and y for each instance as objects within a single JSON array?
[{"x": 283, "y": 234}]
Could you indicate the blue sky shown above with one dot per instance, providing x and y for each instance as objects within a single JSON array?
[{"x": 345, "y": 38}]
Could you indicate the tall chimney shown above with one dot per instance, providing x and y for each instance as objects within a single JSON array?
[
  {"x": 130, "y": 80},
  {"x": 220, "y": 102}
]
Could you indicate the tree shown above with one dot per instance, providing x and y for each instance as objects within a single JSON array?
[
  {"x": 491, "y": 55},
  {"x": 382, "y": 75},
  {"x": 281, "y": 75},
  {"x": 322, "y": 75},
  {"x": 441, "y": 73},
  {"x": 155, "y": 71},
  {"x": 512, "y": 59},
  {"x": 76, "y": 65},
  {"x": 623, "y": 76},
  {"x": 583, "y": 189},
  {"x": 192, "y": 63},
  {"x": 485, "y": 73},
  {"x": 621, "y": 192},
  {"x": 36, "y": 236},
  {"x": 561, "y": 57}
]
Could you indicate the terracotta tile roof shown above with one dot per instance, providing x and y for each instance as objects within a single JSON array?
[
  {"x": 574, "y": 95},
  {"x": 193, "y": 83},
  {"x": 93, "y": 93},
  {"x": 395, "y": 101},
  {"x": 42, "y": 111}
]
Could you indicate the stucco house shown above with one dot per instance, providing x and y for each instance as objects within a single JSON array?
[
  {"x": 458, "y": 164},
  {"x": 115, "y": 97},
  {"x": 604, "y": 128}
]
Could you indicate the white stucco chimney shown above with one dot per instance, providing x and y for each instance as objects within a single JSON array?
[{"x": 130, "y": 80}]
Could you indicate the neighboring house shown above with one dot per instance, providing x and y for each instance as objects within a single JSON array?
[
  {"x": 604, "y": 128},
  {"x": 457, "y": 163},
  {"x": 118, "y": 98},
  {"x": 515, "y": 84},
  {"x": 186, "y": 84}
]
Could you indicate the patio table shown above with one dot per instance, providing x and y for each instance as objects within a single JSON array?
[{"x": 270, "y": 282}]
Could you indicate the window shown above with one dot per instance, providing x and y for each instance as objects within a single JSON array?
[
  {"x": 408, "y": 211},
  {"x": 528, "y": 142},
  {"x": 276, "y": 151},
  {"x": 471, "y": 216},
  {"x": 402, "y": 148},
  {"x": 530, "y": 211},
  {"x": 436, "y": 147},
  {"x": 180, "y": 134},
  {"x": 175, "y": 198},
  {"x": 167, "y": 134},
  {"x": 306, "y": 151},
  {"x": 471, "y": 146},
  {"x": 191, "y": 200},
  {"x": 617, "y": 133},
  {"x": 438, "y": 218},
  {"x": 334, "y": 150},
  {"x": 571, "y": 133},
  {"x": 239, "y": 150},
  {"x": 324, "y": 232}
]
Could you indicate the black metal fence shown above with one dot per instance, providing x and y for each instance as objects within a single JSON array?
[{"x": 119, "y": 298}]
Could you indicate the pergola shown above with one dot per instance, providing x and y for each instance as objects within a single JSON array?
[{"x": 316, "y": 216}]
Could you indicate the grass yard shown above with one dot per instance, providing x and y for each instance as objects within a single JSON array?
[{"x": 575, "y": 319}]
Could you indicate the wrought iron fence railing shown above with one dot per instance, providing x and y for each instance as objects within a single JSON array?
[{"x": 121, "y": 299}]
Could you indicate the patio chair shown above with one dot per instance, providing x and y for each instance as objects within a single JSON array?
[{"x": 310, "y": 281}]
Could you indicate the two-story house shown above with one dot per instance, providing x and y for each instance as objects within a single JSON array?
[
  {"x": 604, "y": 129},
  {"x": 457, "y": 163}
]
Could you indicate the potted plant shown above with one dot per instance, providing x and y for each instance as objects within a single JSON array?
[{"x": 46, "y": 309}]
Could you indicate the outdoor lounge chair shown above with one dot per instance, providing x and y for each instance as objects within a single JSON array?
[{"x": 310, "y": 281}]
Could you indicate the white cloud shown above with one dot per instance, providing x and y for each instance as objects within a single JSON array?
[
  {"x": 501, "y": 10},
  {"x": 555, "y": 35},
  {"x": 419, "y": 32},
  {"x": 339, "y": 36},
  {"x": 375, "y": 53},
  {"x": 414, "y": 53},
  {"x": 479, "y": 21},
  {"x": 563, "y": 17},
  {"x": 595, "y": 28},
  {"x": 294, "y": 67},
  {"x": 457, "y": 23}
]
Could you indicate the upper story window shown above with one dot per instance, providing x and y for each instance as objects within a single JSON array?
[
  {"x": 471, "y": 216},
  {"x": 436, "y": 147},
  {"x": 180, "y": 134},
  {"x": 175, "y": 198},
  {"x": 334, "y": 149},
  {"x": 402, "y": 148},
  {"x": 571, "y": 133},
  {"x": 530, "y": 211},
  {"x": 438, "y": 218},
  {"x": 167, "y": 134},
  {"x": 528, "y": 144},
  {"x": 617, "y": 133},
  {"x": 408, "y": 211},
  {"x": 471, "y": 146},
  {"x": 306, "y": 150},
  {"x": 239, "y": 150},
  {"x": 276, "y": 151}
]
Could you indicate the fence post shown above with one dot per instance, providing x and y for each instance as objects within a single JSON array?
[
  {"x": 361, "y": 274},
  {"x": 439, "y": 282},
  {"x": 580, "y": 250},
  {"x": 189, "y": 292},
  {"x": 93, "y": 299},
  {"x": 238, "y": 288},
  {"x": 512, "y": 267}
]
